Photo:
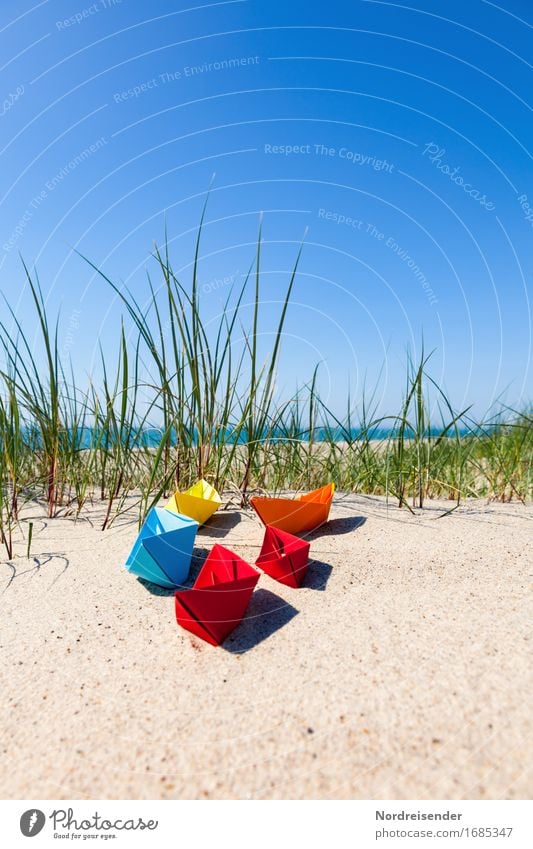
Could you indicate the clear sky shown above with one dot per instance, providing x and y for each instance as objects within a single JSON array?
[{"x": 397, "y": 134}]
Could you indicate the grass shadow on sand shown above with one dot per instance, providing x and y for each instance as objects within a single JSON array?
[
  {"x": 40, "y": 561},
  {"x": 266, "y": 614}
]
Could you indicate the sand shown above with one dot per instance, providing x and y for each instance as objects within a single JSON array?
[{"x": 401, "y": 669}]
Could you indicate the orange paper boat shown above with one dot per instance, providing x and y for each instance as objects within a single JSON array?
[
  {"x": 218, "y": 600},
  {"x": 284, "y": 557},
  {"x": 296, "y": 515}
]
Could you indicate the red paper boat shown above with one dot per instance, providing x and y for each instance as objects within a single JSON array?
[
  {"x": 218, "y": 600},
  {"x": 296, "y": 515},
  {"x": 284, "y": 557}
]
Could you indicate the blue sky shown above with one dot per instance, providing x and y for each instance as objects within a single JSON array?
[{"x": 396, "y": 134}]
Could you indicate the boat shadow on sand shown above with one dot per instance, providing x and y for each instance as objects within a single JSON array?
[
  {"x": 198, "y": 558},
  {"x": 266, "y": 614},
  {"x": 220, "y": 524},
  {"x": 317, "y": 576},
  {"x": 336, "y": 526}
]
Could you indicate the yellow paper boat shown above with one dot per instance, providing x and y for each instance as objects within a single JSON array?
[{"x": 199, "y": 502}]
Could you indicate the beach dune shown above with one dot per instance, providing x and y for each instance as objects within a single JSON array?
[{"x": 401, "y": 669}]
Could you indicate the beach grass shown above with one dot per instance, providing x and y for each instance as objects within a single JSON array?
[{"x": 186, "y": 398}]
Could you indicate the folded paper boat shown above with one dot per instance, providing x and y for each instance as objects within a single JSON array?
[
  {"x": 199, "y": 502},
  {"x": 296, "y": 515},
  {"x": 218, "y": 600},
  {"x": 163, "y": 549},
  {"x": 284, "y": 557}
]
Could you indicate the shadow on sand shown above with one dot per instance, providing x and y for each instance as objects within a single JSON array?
[
  {"x": 220, "y": 524},
  {"x": 317, "y": 576},
  {"x": 266, "y": 614},
  {"x": 337, "y": 526},
  {"x": 40, "y": 560},
  {"x": 197, "y": 561}
]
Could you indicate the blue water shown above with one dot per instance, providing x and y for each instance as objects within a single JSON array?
[{"x": 150, "y": 437}]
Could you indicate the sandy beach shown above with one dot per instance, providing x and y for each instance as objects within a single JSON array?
[{"x": 400, "y": 670}]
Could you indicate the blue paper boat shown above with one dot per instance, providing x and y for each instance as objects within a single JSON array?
[{"x": 163, "y": 550}]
